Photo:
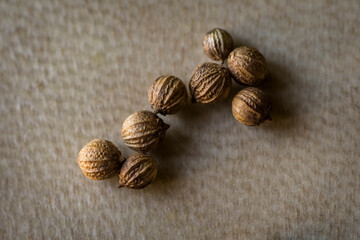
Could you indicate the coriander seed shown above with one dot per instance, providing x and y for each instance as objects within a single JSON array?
[
  {"x": 247, "y": 65},
  {"x": 100, "y": 159},
  {"x": 167, "y": 95},
  {"x": 209, "y": 83},
  {"x": 251, "y": 106},
  {"x": 138, "y": 171},
  {"x": 143, "y": 131},
  {"x": 217, "y": 44}
]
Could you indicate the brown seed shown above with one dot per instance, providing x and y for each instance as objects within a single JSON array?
[
  {"x": 100, "y": 159},
  {"x": 138, "y": 171},
  {"x": 247, "y": 65},
  {"x": 217, "y": 44},
  {"x": 167, "y": 95},
  {"x": 143, "y": 131},
  {"x": 251, "y": 106},
  {"x": 209, "y": 83}
]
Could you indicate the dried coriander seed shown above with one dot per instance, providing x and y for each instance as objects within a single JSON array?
[
  {"x": 217, "y": 44},
  {"x": 143, "y": 131},
  {"x": 100, "y": 159},
  {"x": 167, "y": 95},
  {"x": 138, "y": 171},
  {"x": 247, "y": 65},
  {"x": 209, "y": 83},
  {"x": 251, "y": 106}
]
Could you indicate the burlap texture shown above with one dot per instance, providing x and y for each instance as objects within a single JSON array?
[{"x": 72, "y": 71}]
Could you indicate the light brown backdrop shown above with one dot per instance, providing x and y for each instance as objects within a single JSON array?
[{"x": 72, "y": 71}]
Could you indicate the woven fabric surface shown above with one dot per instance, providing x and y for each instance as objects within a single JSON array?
[{"x": 72, "y": 71}]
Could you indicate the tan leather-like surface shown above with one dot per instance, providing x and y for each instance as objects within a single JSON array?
[{"x": 72, "y": 71}]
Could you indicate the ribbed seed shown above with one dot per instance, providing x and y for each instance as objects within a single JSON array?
[
  {"x": 167, "y": 95},
  {"x": 251, "y": 106},
  {"x": 209, "y": 83},
  {"x": 217, "y": 44},
  {"x": 247, "y": 65},
  {"x": 138, "y": 171},
  {"x": 143, "y": 131},
  {"x": 100, "y": 159}
]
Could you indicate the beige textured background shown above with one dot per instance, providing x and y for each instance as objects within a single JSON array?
[{"x": 72, "y": 71}]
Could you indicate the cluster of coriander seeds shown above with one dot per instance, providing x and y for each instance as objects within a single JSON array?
[
  {"x": 210, "y": 82},
  {"x": 246, "y": 65},
  {"x": 142, "y": 131},
  {"x": 100, "y": 159}
]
